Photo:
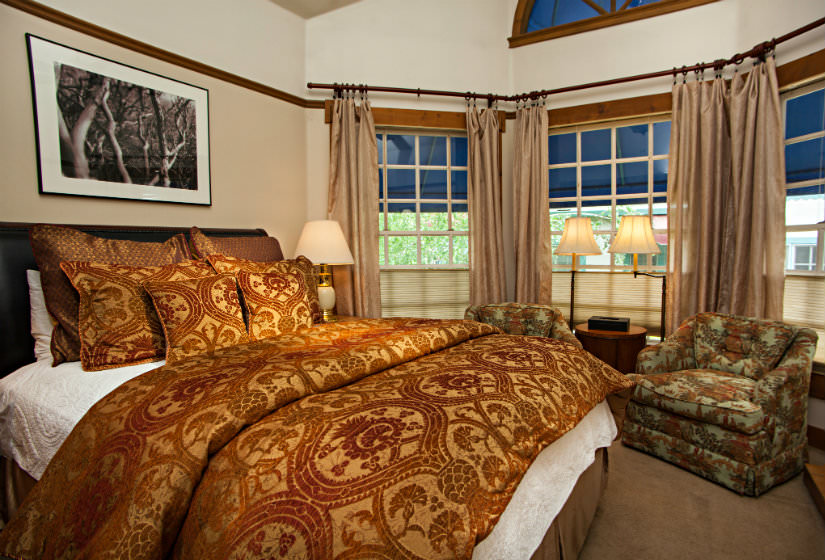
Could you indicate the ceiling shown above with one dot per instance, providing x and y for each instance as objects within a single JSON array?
[{"x": 311, "y": 8}]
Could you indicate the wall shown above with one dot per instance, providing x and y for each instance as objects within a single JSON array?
[
  {"x": 701, "y": 34},
  {"x": 257, "y": 143}
]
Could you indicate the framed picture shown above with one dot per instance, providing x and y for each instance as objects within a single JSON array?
[{"x": 110, "y": 130}]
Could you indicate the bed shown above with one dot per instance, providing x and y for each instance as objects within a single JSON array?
[{"x": 543, "y": 512}]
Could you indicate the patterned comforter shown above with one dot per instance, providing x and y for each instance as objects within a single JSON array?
[{"x": 375, "y": 438}]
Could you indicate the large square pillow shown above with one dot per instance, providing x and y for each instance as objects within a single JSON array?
[
  {"x": 227, "y": 264},
  {"x": 199, "y": 316},
  {"x": 253, "y": 248},
  {"x": 55, "y": 244},
  {"x": 740, "y": 345},
  {"x": 117, "y": 321},
  {"x": 277, "y": 302}
]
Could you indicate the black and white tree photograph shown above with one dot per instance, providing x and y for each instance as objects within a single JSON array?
[{"x": 112, "y": 130}]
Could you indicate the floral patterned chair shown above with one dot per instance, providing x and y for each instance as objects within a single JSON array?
[
  {"x": 725, "y": 397},
  {"x": 524, "y": 318}
]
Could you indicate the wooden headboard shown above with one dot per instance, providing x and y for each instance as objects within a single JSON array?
[{"x": 16, "y": 342}]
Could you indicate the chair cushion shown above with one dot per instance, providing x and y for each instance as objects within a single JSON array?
[
  {"x": 740, "y": 345},
  {"x": 714, "y": 397}
]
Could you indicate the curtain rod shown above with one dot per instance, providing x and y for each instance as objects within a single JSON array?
[{"x": 759, "y": 51}]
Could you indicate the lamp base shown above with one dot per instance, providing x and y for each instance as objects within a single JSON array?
[{"x": 326, "y": 299}]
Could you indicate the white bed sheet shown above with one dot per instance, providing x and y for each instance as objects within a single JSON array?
[{"x": 41, "y": 404}]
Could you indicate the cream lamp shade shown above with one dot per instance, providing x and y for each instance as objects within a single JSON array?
[
  {"x": 635, "y": 236},
  {"x": 323, "y": 242},
  {"x": 577, "y": 238}
]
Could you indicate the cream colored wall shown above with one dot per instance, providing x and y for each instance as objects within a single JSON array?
[
  {"x": 257, "y": 149},
  {"x": 701, "y": 34},
  {"x": 256, "y": 39}
]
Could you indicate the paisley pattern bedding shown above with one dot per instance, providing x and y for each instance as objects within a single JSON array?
[{"x": 375, "y": 438}]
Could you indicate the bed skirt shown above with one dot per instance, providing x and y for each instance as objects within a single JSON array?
[{"x": 563, "y": 540}]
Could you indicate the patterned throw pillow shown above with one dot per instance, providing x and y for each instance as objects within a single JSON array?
[
  {"x": 55, "y": 244},
  {"x": 253, "y": 248},
  {"x": 223, "y": 264},
  {"x": 198, "y": 316},
  {"x": 117, "y": 322},
  {"x": 740, "y": 345},
  {"x": 277, "y": 302}
]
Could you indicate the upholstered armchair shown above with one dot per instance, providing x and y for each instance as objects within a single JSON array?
[
  {"x": 524, "y": 318},
  {"x": 725, "y": 397}
]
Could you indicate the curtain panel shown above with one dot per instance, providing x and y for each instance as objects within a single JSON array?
[
  {"x": 353, "y": 202},
  {"x": 726, "y": 209},
  {"x": 487, "y": 283},
  {"x": 531, "y": 221}
]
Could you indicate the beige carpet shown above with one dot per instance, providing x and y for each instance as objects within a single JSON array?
[{"x": 653, "y": 510}]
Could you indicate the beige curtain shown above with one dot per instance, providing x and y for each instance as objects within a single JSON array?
[
  {"x": 757, "y": 259},
  {"x": 353, "y": 202},
  {"x": 531, "y": 219},
  {"x": 725, "y": 198},
  {"x": 484, "y": 194}
]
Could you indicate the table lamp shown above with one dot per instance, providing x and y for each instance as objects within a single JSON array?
[
  {"x": 636, "y": 236},
  {"x": 323, "y": 242},
  {"x": 577, "y": 239}
]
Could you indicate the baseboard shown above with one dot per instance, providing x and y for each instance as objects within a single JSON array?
[{"x": 816, "y": 437}]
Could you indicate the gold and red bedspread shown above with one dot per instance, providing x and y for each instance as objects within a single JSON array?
[{"x": 378, "y": 438}]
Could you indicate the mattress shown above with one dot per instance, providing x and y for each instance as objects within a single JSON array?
[{"x": 40, "y": 405}]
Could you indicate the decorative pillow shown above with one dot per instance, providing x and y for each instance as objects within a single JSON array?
[
  {"x": 740, "y": 345},
  {"x": 117, "y": 322},
  {"x": 277, "y": 302},
  {"x": 198, "y": 316},
  {"x": 55, "y": 244},
  {"x": 41, "y": 322},
  {"x": 223, "y": 263},
  {"x": 253, "y": 248}
]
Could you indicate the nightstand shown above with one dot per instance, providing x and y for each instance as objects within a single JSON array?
[
  {"x": 346, "y": 319},
  {"x": 615, "y": 348}
]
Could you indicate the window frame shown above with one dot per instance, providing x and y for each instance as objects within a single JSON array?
[
  {"x": 818, "y": 228},
  {"x": 524, "y": 8},
  {"x": 383, "y": 167},
  {"x": 613, "y": 161}
]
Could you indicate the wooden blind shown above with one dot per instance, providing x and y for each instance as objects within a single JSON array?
[
  {"x": 614, "y": 294},
  {"x": 435, "y": 294},
  {"x": 805, "y": 306}
]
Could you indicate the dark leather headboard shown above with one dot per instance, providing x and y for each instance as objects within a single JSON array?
[{"x": 16, "y": 342}]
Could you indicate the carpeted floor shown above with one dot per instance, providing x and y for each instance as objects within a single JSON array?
[{"x": 653, "y": 510}]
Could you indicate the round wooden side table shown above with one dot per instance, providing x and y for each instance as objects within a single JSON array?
[{"x": 616, "y": 348}]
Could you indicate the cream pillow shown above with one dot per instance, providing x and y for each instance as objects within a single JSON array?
[{"x": 42, "y": 325}]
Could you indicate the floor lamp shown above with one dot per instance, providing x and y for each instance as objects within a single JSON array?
[
  {"x": 577, "y": 239},
  {"x": 636, "y": 236}
]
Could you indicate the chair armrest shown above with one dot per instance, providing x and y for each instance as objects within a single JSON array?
[
  {"x": 561, "y": 331},
  {"x": 675, "y": 353},
  {"x": 783, "y": 392},
  {"x": 665, "y": 357},
  {"x": 471, "y": 313}
]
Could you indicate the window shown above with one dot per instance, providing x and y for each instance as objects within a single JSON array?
[
  {"x": 605, "y": 172},
  {"x": 539, "y": 20},
  {"x": 805, "y": 178},
  {"x": 423, "y": 222},
  {"x": 804, "y": 133}
]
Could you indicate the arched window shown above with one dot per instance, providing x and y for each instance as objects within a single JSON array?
[{"x": 539, "y": 20}]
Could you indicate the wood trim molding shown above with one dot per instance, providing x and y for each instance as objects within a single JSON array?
[
  {"x": 524, "y": 8},
  {"x": 417, "y": 118},
  {"x": 802, "y": 70},
  {"x": 76, "y": 24},
  {"x": 816, "y": 437}
]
